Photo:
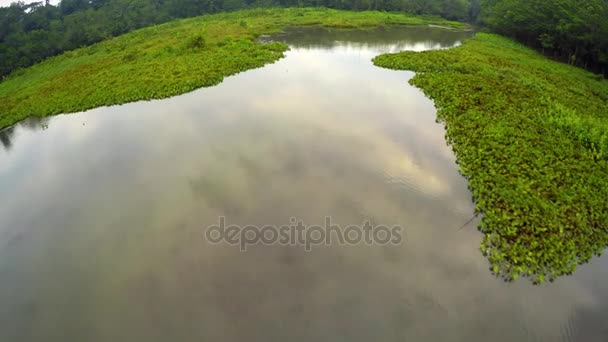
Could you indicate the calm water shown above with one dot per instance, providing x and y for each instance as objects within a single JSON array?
[{"x": 103, "y": 215}]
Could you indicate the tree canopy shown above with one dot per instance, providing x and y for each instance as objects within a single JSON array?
[{"x": 575, "y": 31}]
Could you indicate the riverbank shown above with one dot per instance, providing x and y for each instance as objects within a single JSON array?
[
  {"x": 168, "y": 59},
  {"x": 531, "y": 136}
]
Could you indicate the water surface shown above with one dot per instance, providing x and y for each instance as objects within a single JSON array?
[{"x": 103, "y": 213}]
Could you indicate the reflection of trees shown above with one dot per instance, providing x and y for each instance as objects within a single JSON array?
[
  {"x": 6, "y": 136},
  {"x": 399, "y": 36},
  {"x": 31, "y": 124}
]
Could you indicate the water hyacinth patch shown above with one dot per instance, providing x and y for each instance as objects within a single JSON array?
[{"x": 530, "y": 135}]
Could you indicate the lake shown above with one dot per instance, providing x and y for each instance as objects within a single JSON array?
[{"x": 105, "y": 214}]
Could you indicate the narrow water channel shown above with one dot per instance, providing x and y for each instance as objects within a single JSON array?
[{"x": 103, "y": 215}]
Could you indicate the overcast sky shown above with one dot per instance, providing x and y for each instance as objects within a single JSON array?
[{"x": 4, "y": 3}]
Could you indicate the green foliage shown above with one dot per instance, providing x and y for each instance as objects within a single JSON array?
[
  {"x": 575, "y": 31},
  {"x": 167, "y": 59},
  {"x": 531, "y": 136},
  {"x": 196, "y": 42},
  {"x": 32, "y": 32}
]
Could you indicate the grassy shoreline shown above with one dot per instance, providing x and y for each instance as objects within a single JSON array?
[
  {"x": 169, "y": 59},
  {"x": 531, "y": 136}
]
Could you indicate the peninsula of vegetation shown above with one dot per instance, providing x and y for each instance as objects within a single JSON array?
[{"x": 531, "y": 136}]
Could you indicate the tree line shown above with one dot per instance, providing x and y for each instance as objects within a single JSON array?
[
  {"x": 32, "y": 32},
  {"x": 573, "y": 30}
]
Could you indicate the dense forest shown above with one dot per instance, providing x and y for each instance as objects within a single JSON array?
[{"x": 575, "y": 31}]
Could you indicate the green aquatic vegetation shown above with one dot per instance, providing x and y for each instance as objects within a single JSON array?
[
  {"x": 168, "y": 59},
  {"x": 531, "y": 136}
]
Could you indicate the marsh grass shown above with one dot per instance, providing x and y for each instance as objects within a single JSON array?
[
  {"x": 531, "y": 136},
  {"x": 167, "y": 60}
]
